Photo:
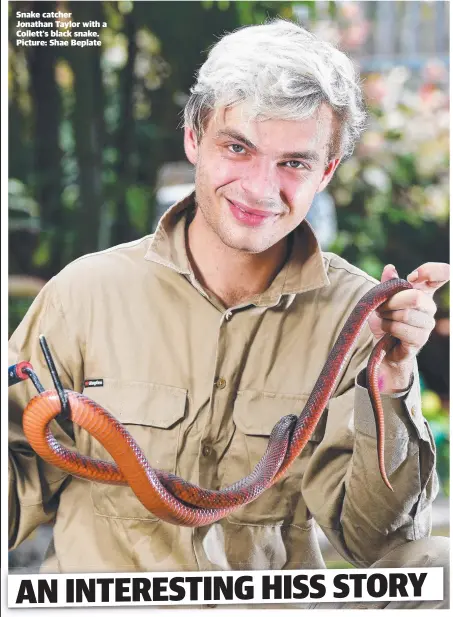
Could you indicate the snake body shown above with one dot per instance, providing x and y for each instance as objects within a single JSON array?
[{"x": 170, "y": 497}]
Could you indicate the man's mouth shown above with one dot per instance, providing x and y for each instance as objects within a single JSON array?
[{"x": 252, "y": 217}]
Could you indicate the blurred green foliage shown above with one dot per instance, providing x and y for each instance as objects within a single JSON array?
[
  {"x": 435, "y": 411},
  {"x": 393, "y": 193},
  {"x": 17, "y": 307},
  {"x": 91, "y": 128},
  {"x": 90, "y": 131}
]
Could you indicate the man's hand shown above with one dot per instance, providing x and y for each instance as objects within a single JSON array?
[{"x": 409, "y": 317}]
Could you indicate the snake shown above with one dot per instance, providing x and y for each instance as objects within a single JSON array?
[{"x": 177, "y": 501}]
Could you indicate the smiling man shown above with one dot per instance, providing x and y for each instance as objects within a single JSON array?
[
  {"x": 240, "y": 161},
  {"x": 252, "y": 193},
  {"x": 203, "y": 335}
]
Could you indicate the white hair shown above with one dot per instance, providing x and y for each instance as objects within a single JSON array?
[{"x": 281, "y": 71}]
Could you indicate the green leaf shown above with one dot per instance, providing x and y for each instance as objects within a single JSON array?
[
  {"x": 223, "y": 5},
  {"x": 42, "y": 254},
  {"x": 138, "y": 203},
  {"x": 372, "y": 265}
]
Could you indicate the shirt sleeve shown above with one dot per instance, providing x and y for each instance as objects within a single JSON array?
[
  {"x": 34, "y": 485},
  {"x": 343, "y": 488}
]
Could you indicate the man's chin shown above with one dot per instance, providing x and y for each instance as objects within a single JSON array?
[{"x": 245, "y": 245}]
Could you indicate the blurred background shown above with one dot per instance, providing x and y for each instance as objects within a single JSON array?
[{"x": 96, "y": 152}]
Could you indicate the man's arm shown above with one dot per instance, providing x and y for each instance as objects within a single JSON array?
[
  {"x": 342, "y": 486},
  {"x": 34, "y": 485}
]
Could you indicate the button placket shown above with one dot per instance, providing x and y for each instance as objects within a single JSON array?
[
  {"x": 218, "y": 428},
  {"x": 220, "y": 383},
  {"x": 209, "y": 438},
  {"x": 206, "y": 450}
]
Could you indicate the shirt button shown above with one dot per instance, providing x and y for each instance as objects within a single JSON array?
[
  {"x": 206, "y": 450},
  {"x": 228, "y": 315},
  {"x": 413, "y": 410},
  {"x": 220, "y": 383}
]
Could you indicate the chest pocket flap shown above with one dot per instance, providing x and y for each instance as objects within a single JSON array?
[
  {"x": 152, "y": 413},
  {"x": 256, "y": 413},
  {"x": 141, "y": 403}
]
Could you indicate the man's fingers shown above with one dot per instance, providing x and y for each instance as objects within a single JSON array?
[
  {"x": 409, "y": 335},
  {"x": 416, "y": 319},
  {"x": 409, "y": 299},
  {"x": 430, "y": 276},
  {"x": 409, "y": 314}
]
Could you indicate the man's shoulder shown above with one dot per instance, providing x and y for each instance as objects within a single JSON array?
[
  {"x": 341, "y": 271},
  {"x": 348, "y": 283},
  {"x": 116, "y": 261},
  {"x": 103, "y": 274},
  {"x": 128, "y": 252}
]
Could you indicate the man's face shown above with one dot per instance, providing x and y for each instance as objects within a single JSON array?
[{"x": 255, "y": 180}]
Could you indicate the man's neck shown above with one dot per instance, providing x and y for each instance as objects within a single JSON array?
[{"x": 233, "y": 276}]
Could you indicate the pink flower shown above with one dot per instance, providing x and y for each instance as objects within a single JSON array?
[
  {"x": 435, "y": 71},
  {"x": 355, "y": 35},
  {"x": 351, "y": 10},
  {"x": 375, "y": 89},
  {"x": 371, "y": 143}
]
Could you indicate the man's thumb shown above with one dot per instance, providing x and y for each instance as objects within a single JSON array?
[{"x": 388, "y": 273}]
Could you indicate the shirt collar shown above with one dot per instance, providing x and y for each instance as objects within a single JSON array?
[
  {"x": 168, "y": 243},
  {"x": 304, "y": 271}
]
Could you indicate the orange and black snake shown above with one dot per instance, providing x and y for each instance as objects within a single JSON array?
[{"x": 170, "y": 497}]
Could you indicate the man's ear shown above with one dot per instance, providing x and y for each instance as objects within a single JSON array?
[
  {"x": 191, "y": 145},
  {"x": 328, "y": 174}
]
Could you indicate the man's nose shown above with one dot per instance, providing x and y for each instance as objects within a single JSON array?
[{"x": 261, "y": 179}]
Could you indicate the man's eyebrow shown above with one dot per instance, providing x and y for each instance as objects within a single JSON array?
[
  {"x": 237, "y": 136},
  {"x": 307, "y": 155}
]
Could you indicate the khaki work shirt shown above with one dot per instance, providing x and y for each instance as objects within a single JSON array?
[{"x": 200, "y": 388}]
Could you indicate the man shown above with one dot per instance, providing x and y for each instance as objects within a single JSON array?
[{"x": 206, "y": 333}]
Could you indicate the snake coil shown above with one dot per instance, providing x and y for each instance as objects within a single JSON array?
[{"x": 170, "y": 497}]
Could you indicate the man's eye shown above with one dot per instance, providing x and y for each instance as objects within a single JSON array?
[
  {"x": 236, "y": 148},
  {"x": 295, "y": 165}
]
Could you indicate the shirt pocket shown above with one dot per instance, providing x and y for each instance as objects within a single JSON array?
[
  {"x": 255, "y": 415},
  {"x": 152, "y": 414}
]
